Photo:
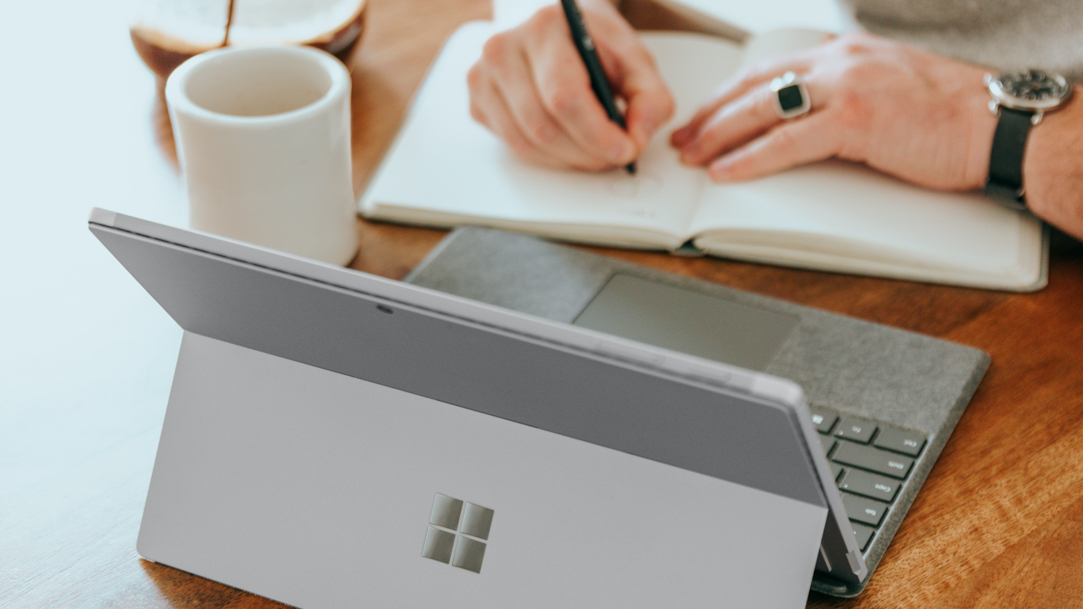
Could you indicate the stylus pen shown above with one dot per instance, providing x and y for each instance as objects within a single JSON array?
[{"x": 598, "y": 81}]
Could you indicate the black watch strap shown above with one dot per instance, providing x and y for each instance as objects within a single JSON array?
[{"x": 1006, "y": 161}]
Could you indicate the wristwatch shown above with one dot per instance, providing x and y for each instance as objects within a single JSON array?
[{"x": 1020, "y": 100}]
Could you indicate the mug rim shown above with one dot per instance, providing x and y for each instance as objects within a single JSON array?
[{"x": 177, "y": 98}]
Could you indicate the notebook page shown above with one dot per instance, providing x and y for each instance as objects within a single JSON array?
[
  {"x": 445, "y": 169},
  {"x": 840, "y": 209},
  {"x": 692, "y": 66}
]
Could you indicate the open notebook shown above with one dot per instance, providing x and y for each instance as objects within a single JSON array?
[{"x": 446, "y": 170}]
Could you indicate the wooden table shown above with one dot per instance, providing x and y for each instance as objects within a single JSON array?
[{"x": 87, "y": 356}]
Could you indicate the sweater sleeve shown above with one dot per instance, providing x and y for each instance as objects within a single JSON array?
[{"x": 999, "y": 34}]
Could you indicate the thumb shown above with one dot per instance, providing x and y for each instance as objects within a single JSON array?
[
  {"x": 634, "y": 77},
  {"x": 650, "y": 103}
]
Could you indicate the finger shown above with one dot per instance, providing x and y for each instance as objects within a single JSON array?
[
  {"x": 724, "y": 94},
  {"x": 529, "y": 133},
  {"x": 810, "y": 139},
  {"x": 476, "y": 83},
  {"x": 563, "y": 87},
  {"x": 487, "y": 107},
  {"x": 650, "y": 103},
  {"x": 739, "y": 85},
  {"x": 533, "y": 120},
  {"x": 731, "y": 125}
]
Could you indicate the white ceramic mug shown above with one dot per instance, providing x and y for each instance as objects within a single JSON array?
[{"x": 263, "y": 137}]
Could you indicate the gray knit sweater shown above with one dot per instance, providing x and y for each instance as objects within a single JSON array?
[{"x": 1000, "y": 34}]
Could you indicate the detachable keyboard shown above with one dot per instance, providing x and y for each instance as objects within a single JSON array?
[{"x": 871, "y": 462}]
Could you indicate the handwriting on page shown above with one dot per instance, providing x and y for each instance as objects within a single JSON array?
[
  {"x": 636, "y": 190},
  {"x": 636, "y": 186}
]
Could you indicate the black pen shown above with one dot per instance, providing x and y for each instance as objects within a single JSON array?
[{"x": 598, "y": 80}]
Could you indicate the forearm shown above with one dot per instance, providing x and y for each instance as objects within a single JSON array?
[{"x": 1053, "y": 167}]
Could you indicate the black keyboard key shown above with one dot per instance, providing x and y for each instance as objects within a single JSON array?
[
  {"x": 858, "y": 430},
  {"x": 863, "y": 534},
  {"x": 865, "y": 511},
  {"x": 827, "y": 442},
  {"x": 905, "y": 442},
  {"x": 870, "y": 485},
  {"x": 824, "y": 421},
  {"x": 873, "y": 459}
]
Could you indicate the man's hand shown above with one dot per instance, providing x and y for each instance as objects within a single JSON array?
[
  {"x": 914, "y": 115},
  {"x": 531, "y": 89}
]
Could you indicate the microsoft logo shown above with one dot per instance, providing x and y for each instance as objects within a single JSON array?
[{"x": 457, "y": 533}]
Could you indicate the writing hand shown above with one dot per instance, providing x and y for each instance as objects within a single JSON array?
[{"x": 532, "y": 90}]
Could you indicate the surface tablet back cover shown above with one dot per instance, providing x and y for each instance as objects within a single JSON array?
[{"x": 335, "y": 439}]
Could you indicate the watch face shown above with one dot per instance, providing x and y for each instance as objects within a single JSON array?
[{"x": 1032, "y": 89}]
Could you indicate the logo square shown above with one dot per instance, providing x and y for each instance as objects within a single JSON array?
[
  {"x": 457, "y": 533},
  {"x": 476, "y": 521},
  {"x": 468, "y": 554},
  {"x": 438, "y": 545},
  {"x": 445, "y": 512}
]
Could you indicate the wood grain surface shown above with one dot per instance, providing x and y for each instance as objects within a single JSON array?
[{"x": 87, "y": 356}]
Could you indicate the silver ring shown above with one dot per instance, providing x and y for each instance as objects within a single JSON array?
[{"x": 790, "y": 97}]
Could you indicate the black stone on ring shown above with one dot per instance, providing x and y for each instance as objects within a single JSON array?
[{"x": 791, "y": 97}]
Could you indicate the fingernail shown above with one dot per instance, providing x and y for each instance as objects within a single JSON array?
[{"x": 680, "y": 136}]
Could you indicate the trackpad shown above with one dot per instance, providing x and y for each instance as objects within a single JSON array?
[{"x": 690, "y": 322}]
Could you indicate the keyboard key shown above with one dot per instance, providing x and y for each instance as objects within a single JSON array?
[
  {"x": 827, "y": 442},
  {"x": 824, "y": 421},
  {"x": 858, "y": 430},
  {"x": 863, "y": 510},
  {"x": 905, "y": 442},
  {"x": 869, "y": 485},
  {"x": 872, "y": 459},
  {"x": 863, "y": 534}
]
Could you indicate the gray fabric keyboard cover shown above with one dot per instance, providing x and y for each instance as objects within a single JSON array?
[{"x": 851, "y": 366}]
